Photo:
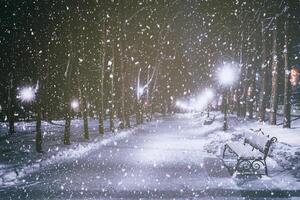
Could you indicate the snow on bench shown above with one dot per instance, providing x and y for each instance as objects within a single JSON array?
[
  {"x": 250, "y": 154},
  {"x": 209, "y": 120}
]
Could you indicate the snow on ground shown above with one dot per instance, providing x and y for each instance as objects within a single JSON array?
[
  {"x": 285, "y": 154},
  {"x": 287, "y": 151},
  {"x": 171, "y": 154},
  {"x": 19, "y": 158}
]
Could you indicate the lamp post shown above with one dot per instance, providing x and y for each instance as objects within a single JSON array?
[
  {"x": 209, "y": 94},
  {"x": 225, "y": 122},
  {"x": 28, "y": 95},
  {"x": 227, "y": 76}
]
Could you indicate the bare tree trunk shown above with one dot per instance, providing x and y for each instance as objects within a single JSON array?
[
  {"x": 122, "y": 87},
  {"x": 141, "y": 110},
  {"x": 11, "y": 105},
  {"x": 85, "y": 117},
  {"x": 112, "y": 91},
  {"x": 251, "y": 94},
  {"x": 124, "y": 91},
  {"x": 11, "y": 92},
  {"x": 147, "y": 108},
  {"x": 225, "y": 106},
  {"x": 67, "y": 102},
  {"x": 83, "y": 100},
  {"x": 38, "y": 105},
  {"x": 243, "y": 103},
  {"x": 153, "y": 95},
  {"x": 265, "y": 78},
  {"x": 239, "y": 93},
  {"x": 46, "y": 95},
  {"x": 138, "y": 101},
  {"x": 38, "y": 135},
  {"x": 101, "y": 112},
  {"x": 164, "y": 106},
  {"x": 83, "y": 94},
  {"x": 138, "y": 113},
  {"x": 128, "y": 95},
  {"x": 287, "y": 85},
  {"x": 122, "y": 73},
  {"x": 122, "y": 70},
  {"x": 274, "y": 92},
  {"x": 67, "y": 125}
]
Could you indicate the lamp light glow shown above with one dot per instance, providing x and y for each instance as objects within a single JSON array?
[
  {"x": 228, "y": 75},
  {"x": 141, "y": 90},
  {"x": 197, "y": 103},
  {"x": 27, "y": 94},
  {"x": 75, "y": 104},
  {"x": 208, "y": 93}
]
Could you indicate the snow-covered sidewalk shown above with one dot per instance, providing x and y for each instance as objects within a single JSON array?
[
  {"x": 170, "y": 157},
  {"x": 161, "y": 159},
  {"x": 18, "y": 155}
]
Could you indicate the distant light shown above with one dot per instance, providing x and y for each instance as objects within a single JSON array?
[
  {"x": 27, "y": 94},
  {"x": 197, "y": 103},
  {"x": 257, "y": 76},
  {"x": 75, "y": 104},
  {"x": 294, "y": 77},
  {"x": 228, "y": 75},
  {"x": 141, "y": 90},
  {"x": 208, "y": 93},
  {"x": 184, "y": 106}
]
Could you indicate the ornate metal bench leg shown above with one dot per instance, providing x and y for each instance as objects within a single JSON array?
[
  {"x": 237, "y": 167},
  {"x": 266, "y": 169},
  {"x": 225, "y": 147}
]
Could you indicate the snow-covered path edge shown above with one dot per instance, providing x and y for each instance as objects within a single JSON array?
[{"x": 13, "y": 176}]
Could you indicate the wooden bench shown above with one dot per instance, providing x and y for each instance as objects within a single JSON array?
[{"x": 250, "y": 154}]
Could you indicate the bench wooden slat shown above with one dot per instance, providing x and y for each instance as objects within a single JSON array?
[
  {"x": 256, "y": 140},
  {"x": 245, "y": 151}
]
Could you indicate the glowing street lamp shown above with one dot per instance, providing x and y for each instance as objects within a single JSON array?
[
  {"x": 75, "y": 104},
  {"x": 27, "y": 94},
  {"x": 227, "y": 76}
]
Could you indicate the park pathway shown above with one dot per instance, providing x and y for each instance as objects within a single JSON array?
[{"x": 161, "y": 159}]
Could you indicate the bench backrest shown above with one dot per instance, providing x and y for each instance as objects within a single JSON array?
[{"x": 259, "y": 141}]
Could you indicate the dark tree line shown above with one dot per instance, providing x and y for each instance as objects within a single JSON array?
[
  {"x": 98, "y": 52},
  {"x": 267, "y": 34},
  {"x": 132, "y": 58}
]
